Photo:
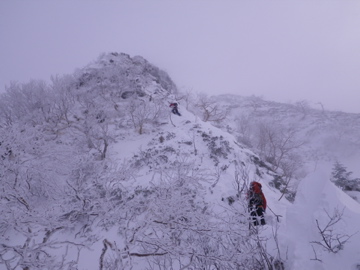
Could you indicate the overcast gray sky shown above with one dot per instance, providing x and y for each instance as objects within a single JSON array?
[{"x": 282, "y": 50}]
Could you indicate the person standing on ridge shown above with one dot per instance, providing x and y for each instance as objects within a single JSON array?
[
  {"x": 174, "y": 107},
  {"x": 257, "y": 204}
]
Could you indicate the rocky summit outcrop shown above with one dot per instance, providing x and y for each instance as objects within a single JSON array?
[{"x": 126, "y": 76}]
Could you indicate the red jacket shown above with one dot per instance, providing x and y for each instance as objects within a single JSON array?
[{"x": 256, "y": 196}]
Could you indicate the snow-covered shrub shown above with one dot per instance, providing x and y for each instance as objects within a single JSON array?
[
  {"x": 331, "y": 239},
  {"x": 281, "y": 184},
  {"x": 218, "y": 147},
  {"x": 209, "y": 109}
]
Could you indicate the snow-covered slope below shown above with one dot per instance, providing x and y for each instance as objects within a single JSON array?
[{"x": 319, "y": 203}]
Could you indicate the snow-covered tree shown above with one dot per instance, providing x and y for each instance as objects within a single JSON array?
[
  {"x": 342, "y": 178},
  {"x": 209, "y": 109}
]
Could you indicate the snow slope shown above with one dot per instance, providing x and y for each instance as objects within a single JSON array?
[
  {"x": 297, "y": 227},
  {"x": 316, "y": 195}
]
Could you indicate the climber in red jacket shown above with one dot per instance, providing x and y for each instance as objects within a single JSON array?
[
  {"x": 257, "y": 203},
  {"x": 174, "y": 107}
]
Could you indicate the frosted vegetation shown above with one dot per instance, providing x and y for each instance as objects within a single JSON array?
[{"x": 96, "y": 173}]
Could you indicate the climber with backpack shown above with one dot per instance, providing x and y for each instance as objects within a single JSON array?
[
  {"x": 257, "y": 204},
  {"x": 174, "y": 107}
]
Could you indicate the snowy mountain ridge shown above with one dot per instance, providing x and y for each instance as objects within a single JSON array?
[
  {"x": 309, "y": 136},
  {"x": 328, "y": 126},
  {"x": 98, "y": 174}
]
